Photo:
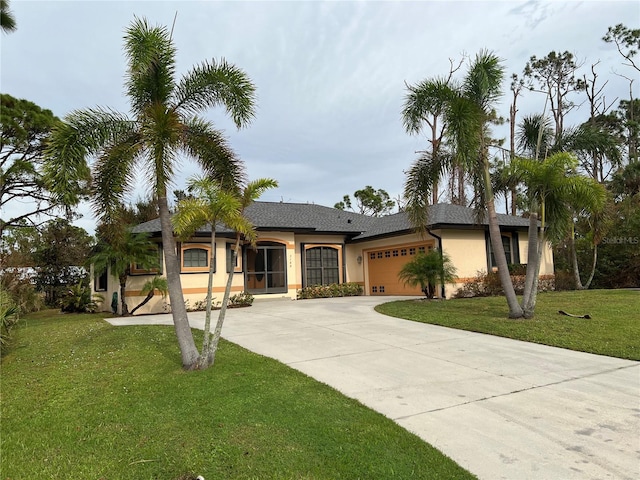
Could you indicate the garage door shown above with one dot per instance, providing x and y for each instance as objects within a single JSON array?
[{"x": 384, "y": 266}]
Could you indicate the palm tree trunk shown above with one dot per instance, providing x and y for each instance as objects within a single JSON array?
[
  {"x": 593, "y": 266},
  {"x": 515, "y": 311},
  {"x": 574, "y": 260},
  {"x": 532, "y": 255},
  {"x": 123, "y": 303},
  {"x": 203, "y": 362},
  {"x": 188, "y": 350},
  {"x": 210, "y": 355},
  {"x": 144, "y": 302}
]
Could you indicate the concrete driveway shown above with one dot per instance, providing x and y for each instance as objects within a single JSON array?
[{"x": 501, "y": 408}]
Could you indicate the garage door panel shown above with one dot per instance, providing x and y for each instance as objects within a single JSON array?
[{"x": 384, "y": 266}]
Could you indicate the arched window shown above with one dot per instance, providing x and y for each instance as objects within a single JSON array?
[
  {"x": 194, "y": 258},
  {"x": 322, "y": 266}
]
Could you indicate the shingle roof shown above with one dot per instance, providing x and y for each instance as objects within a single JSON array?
[
  {"x": 441, "y": 215},
  {"x": 307, "y": 217},
  {"x": 299, "y": 217}
]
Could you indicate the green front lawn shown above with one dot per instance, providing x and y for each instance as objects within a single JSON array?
[
  {"x": 84, "y": 399},
  {"x": 613, "y": 330}
]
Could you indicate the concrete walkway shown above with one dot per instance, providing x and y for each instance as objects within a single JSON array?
[{"x": 501, "y": 408}]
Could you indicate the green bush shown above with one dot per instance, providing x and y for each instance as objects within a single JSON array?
[
  {"x": 78, "y": 299},
  {"x": 242, "y": 299},
  {"x": 21, "y": 290},
  {"x": 8, "y": 316},
  {"x": 349, "y": 289},
  {"x": 489, "y": 285}
]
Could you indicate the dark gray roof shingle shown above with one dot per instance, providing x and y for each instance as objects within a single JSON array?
[{"x": 308, "y": 217}]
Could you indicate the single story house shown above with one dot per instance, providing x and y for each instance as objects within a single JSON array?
[{"x": 301, "y": 245}]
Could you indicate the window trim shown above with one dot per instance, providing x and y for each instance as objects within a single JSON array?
[
  {"x": 238, "y": 268},
  {"x": 514, "y": 249},
  {"x": 97, "y": 281},
  {"x": 196, "y": 246},
  {"x": 339, "y": 266}
]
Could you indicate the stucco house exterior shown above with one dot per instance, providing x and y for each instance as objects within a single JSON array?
[{"x": 306, "y": 244}]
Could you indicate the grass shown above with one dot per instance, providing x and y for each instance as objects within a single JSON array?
[
  {"x": 84, "y": 399},
  {"x": 613, "y": 330}
]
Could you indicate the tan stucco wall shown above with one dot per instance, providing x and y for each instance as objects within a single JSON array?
[
  {"x": 359, "y": 272},
  {"x": 467, "y": 249},
  {"x": 546, "y": 265}
]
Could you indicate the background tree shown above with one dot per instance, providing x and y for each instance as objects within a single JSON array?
[
  {"x": 425, "y": 104},
  {"x": 24, "y": 129},
  {"x": 627, "y": 41},
  {"x": 555, "y": 76},
  {"x": 60, "y": 258},
  {"x": 7, "y": 20},
  {"x": 369, "y": 201},
  {"x": 164, "y": 125},
  {"x": 428, "y": 270}
]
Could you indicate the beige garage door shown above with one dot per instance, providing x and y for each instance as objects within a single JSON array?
[{"x": 384, "y": 266}]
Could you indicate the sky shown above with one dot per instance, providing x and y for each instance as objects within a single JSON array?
[{"x": 331, "y": 76}]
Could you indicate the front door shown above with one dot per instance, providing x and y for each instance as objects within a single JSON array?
[{"x": 265, "y": 270}]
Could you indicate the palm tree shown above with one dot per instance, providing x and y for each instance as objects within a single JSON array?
[
  {"x": 243, "y": 228},
  {"x": 206, "y": 205},
  {"x": 119, "y": 253},
  {"x": 7, "y": 22},
  {"x": 468, "y": 111},
  {"x": 163, "y": 126},
  {"x": 149, "y": 289},
  {"x": 427, "y": 270},
  {"x": 554, "y": 190}
]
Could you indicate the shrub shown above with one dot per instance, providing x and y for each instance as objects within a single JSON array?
[
  {"x": 78, "y": 299},
  {"x": 22, "y": 291},
  {"x": 565, "y": 280},
  {"x": 242, "y": 299},
  {"x": 349, "y": 289},
  {"x": 8, "y": 316},
  {"x": 488, "y": 285}
]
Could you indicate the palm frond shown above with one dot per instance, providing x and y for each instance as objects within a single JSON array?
[
  {"x": 82, "y": 134},
  {"x": 429, "y": 97},
  {"x": 465, "y": 128},
  {"x": 484, "y": 79},
  {"x": 113, "y": 177},
  {"x": 535, "y": 134},
  {"x": 191, "y": 214},
  {"x": 213, "y": 84},
  {"x": 420, "y": 180},
  {"x": 211, "y": 150},
  {"x": 254, "y": 190},
  {"x": 151, "y": 65}
]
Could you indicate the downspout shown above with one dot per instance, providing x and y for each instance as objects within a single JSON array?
[{"x": 440, "y": 250}]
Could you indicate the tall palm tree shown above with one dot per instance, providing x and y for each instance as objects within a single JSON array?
[
  {"x": 206, "y": 205},
  {"x": 7, "y": 21},
  {"x": 468, "y": 110},
  {"x": 163, "y": 126},
  {"x": 122, "y": 251}
]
